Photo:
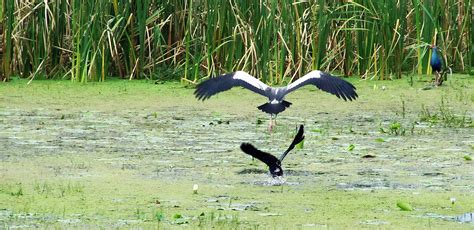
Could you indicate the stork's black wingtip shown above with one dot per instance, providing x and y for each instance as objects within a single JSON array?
[{"x": 355, "y": 96}]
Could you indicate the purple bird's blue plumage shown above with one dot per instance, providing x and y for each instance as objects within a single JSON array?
[{"x": 435, "y": 62}]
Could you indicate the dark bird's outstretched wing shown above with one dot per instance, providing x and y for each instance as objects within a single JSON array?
[
  {"x": 225, "y": 82},
  {"x": 266, "y": 158},
  {"x": 326, "y": 82},
  {"x": 298, "y": 138}
]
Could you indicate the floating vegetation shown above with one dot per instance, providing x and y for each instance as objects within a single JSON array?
[
  {"x": 394, "y": 128},
  {"x": 351, "y": 147},
  {"x": 445, "y": 116},
  {"x": 404, "y": 206},
  {"x": 106, "y": 165}
]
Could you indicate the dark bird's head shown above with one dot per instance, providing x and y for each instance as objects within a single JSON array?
[
  {"x": 276, "y": 170},
  {"x": 273, "y": 163}
]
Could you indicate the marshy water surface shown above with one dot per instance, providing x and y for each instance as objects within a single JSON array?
[{"x": 127, "y": 154}]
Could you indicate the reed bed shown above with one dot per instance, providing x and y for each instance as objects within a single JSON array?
[{"x": 90, "y": 40}]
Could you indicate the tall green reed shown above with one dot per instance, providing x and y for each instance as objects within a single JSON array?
[
  {"x": 275, "y": 41},
  {"x": 7, "y": 28}
]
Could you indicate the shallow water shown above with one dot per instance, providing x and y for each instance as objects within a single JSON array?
[
  {"x": 466, "y": 218},
  {"x": 127, "y": 161}
]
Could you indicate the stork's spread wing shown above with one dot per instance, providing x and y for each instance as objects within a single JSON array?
[
  {"x": 326, "y": 82},
  {"x": 266, "y": 158},
  {"x": 225, "y": 82},
  {"x": 298, "y": 138}
]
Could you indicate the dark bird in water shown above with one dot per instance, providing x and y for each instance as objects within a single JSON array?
[
  {"x": 436, "y": 65},
  {"x": 324, "y": 81},
  {"x": 274, "y": 164}
]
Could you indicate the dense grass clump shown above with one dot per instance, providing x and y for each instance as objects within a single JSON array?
[{"x": 169, "y": 39}]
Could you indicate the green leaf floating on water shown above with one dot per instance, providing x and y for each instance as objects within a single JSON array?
[
  {"x": 468, "y": 158},
  {"x": 379, "y": 139},
  {"x": 404, "y": 206},
  {"x": 300, "y": 145},
  {"x": 316, "y": 130},
  {"x": 351, "y": 147}
]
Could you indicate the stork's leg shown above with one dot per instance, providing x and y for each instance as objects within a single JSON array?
[
  {"x": 270, "y": 127},
  {"x": 272, "y": 123}
]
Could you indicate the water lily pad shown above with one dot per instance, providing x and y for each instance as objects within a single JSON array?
[
  {"x": 404, "y": 206},
  {"x": 351, "y": 147},
  {"x": 379, "y": 139}
]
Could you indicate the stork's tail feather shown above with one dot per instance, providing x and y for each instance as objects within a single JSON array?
[{"x": 274, "y": 108}]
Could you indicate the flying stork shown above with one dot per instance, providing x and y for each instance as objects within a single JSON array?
[{"x": 324, "y": 81}]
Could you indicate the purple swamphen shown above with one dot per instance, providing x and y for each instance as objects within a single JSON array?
[{"x": 436, "y": 65}]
